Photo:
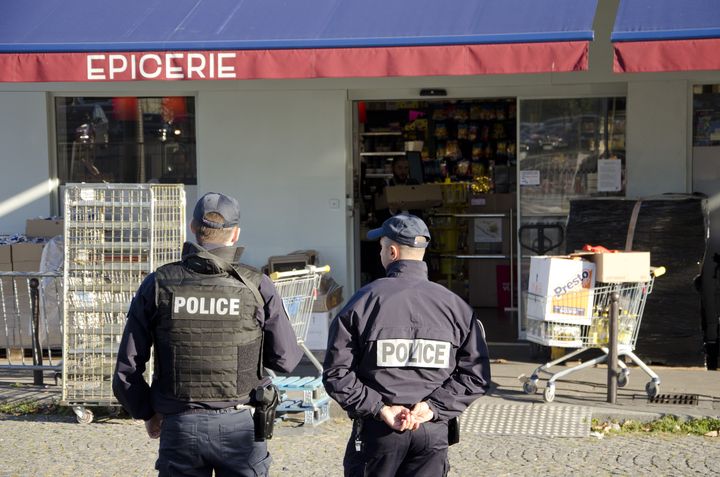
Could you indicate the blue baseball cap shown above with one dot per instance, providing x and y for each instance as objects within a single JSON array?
[
  {"x": 221, "y": 204},
  {"x": 403, "y": 229}
]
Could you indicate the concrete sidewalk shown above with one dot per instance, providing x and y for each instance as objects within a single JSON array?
[{"x": 684, "y": 392}]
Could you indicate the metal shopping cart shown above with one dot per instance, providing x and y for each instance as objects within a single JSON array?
[
  {"x": 590, "y": 332},
  {"x": 304, "y": 394},
  {"x": 298, "y": 289}
]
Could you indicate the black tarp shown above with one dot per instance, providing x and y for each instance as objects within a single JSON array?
[{"x": 673, "y": 228}]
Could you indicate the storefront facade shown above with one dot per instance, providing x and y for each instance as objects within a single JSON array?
[{"x": 286, "y": 147}]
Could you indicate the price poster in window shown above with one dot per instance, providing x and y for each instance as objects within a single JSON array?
[{"x": 609, "y": 175}]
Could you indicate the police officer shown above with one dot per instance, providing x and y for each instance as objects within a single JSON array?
[
  {"x": 405, "y": 356},
  {"x": 214, "y": 324}
]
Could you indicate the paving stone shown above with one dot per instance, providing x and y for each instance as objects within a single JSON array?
[{"x": 58, "y": 446}]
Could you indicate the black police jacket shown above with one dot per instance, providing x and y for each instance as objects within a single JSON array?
[{"x": 402, "y": 340}]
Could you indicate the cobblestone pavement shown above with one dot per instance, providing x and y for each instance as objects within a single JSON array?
[{"x": 58, "y": 446}]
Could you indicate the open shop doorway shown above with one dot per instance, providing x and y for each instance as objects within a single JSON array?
[{"x": 453, "y": 163}]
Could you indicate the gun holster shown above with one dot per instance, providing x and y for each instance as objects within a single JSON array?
[{"x": 265, "y": 400}]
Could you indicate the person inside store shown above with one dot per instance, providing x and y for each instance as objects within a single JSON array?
[
  {"x": 401, "y": 172},
  {"x": 214, "y": 325},
  {"x": 400, "y": 176},
  {"x": 405, "y": 357}
]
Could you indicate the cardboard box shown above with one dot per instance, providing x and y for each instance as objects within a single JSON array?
[
  {"x": 46, "y": 228},
  {"x": 328, "y": 301},
  {"x": 17, "y": 313},
  {"x": 6, "y": 258},
  {"x": 286, "y": 263},
  {"x": 26, "y": 256},
  {"x": 560, "y": 289},
  {"x": 317, "y": 335},
  {"x": 492, "y": 203},
  {"x": 406, "y": 197},
  {"x": 621, "y": 267}
]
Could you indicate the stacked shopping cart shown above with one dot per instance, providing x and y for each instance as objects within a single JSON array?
[
  {"x": 576, "y": 314},
  {"x": 306, "y": 395},
  {"x": 115, "y": 235}
]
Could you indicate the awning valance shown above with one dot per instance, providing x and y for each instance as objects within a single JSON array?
[
  {"x": 666, "y": 35},
  {"x": 57, "y": 40}
]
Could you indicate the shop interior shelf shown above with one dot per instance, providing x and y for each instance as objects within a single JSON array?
[
  {"x": 386, "y": 153},
  {"x": 382, "y": 133}
]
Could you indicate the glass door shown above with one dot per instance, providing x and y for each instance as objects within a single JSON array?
[{"x": 568, "y": 148}]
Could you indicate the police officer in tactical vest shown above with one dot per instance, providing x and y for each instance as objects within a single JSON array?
[
  {"x": 214, "y": 324},
  {"x": 405, "y": 357}
]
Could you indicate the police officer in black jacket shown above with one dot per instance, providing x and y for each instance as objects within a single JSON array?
[
  {"x": 214, "y": 324},
  {"x": 404, "y": 357}
]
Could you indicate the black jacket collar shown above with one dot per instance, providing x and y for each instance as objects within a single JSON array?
[
  {"x": 403, "y": 268},
  {"x": 213, "y": 261}
]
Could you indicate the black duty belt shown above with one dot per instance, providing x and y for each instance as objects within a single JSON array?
[{"x": 207, "y": 410}]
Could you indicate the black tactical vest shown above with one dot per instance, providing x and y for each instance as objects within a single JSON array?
[{"x": 208, "y": 341}]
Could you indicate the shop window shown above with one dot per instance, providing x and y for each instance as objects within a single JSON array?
[
  {"x": 706, "y": 115},
  {"x": 570, "y": 148},
  {"x": 126, "y": 139}
]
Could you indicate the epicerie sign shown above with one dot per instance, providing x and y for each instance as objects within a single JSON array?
[{"x": 178, "y": 65}]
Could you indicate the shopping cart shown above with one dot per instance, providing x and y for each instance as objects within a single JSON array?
[
  {"x": 591, "y": 332},
  {"x": 301, "y": 394},
  {"x": 298, "y": 289}
]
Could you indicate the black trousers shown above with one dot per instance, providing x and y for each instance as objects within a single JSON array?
[
  {"x": 386, "y": 453},
  {"x": 195, "y": 444}
]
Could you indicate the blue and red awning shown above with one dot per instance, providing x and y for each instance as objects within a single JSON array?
[
  {"x": 667, "y": 35},
  {"x": 130, "y": 40}
]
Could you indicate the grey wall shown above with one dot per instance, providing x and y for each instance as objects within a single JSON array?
[
  {"x": 24, "y": 178},
  {"x": 656, "y": 137},
  {"x": 283, "y": 155}
]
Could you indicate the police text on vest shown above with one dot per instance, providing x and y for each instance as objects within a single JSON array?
[
  {"x": 206, "y": 305},
  {"x": 415, "y": 353}
]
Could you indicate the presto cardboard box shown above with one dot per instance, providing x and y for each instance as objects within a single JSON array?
[{"x": 560, "y": 289}]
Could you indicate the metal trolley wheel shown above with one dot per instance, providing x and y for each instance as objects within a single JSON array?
[
  {"x": 652, "y": 388},
  {"x": 549, "y": 393},
  {"x": 83, "y": 415},
  {"x": 623, "y": 378}
]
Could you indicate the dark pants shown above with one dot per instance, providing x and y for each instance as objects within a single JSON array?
[
  {"x": 385, "y": 452},
  {"x": 195, "y": 444}
]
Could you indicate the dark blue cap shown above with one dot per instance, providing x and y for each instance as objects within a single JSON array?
[
  {"x": 221, "y": 204},
  {"x": 403, "y": 229}
]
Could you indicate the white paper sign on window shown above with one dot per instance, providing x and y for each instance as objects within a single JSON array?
[
  {"x": 529, "y": 178},
  {"x": 609, "y": 175}
]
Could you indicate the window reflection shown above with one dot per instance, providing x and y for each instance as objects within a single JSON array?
[{"x": 126, "y": 139}]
